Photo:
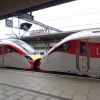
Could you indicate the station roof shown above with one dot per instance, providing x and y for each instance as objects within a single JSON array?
[
  {"x": 56, "y": 36},
  {"x": 49, "y": 37},
  {"x": 9, "y": 7}
]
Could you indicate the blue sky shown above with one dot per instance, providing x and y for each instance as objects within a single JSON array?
[{"x": 79, "y": 14}]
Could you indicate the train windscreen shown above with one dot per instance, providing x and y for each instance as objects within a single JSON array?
[{"x": 25, "y": 46}]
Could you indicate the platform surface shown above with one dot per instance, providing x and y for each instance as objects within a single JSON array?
[{"x": 23, "y": 85}]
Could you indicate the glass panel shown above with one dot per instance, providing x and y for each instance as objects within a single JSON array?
[
  {"x": 63, "y": 47},
  {"x": 25, "y": 46},
  {"x": 83, "y": 48},
  {"x": 0, "y": 50},
  {"x": 10, "y": 49}
]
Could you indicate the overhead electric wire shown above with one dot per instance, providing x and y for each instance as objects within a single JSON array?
[
  {"x": 79, "y": 25},
  {"x": 73, "y": 16}
]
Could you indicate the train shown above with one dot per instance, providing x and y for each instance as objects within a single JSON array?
[
  {"x": 77, "y": 54},
  {"x": 15, "y": 53}
]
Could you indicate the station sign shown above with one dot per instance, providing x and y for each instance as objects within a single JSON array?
[{"x": 9, "y": 23}]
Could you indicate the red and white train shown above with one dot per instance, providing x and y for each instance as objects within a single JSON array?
[
  {"x": 15, "y": 53},
  {"x": 77, "y": 54}
]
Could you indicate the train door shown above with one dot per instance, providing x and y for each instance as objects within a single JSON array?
[
  {"x": 83, "y": 56},
  {"x": 1, "y": 56}
]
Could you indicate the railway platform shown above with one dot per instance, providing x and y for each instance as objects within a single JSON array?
[{"x": 24, "y": 85}]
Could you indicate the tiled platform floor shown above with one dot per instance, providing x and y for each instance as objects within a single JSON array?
[{"x": 21, "y": 85}]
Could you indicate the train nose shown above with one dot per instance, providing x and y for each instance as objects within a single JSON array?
[{"x": 36, "y": 56}]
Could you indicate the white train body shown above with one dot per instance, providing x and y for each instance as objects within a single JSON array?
[
  {"x": 15, "y": 53},
  {"x": 78, "y": 54}
]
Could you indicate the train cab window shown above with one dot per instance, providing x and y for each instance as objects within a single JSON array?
[
  {"x": 10, "y": 49},
  {"x": 63, "y": 47},
  {"x": 82, "y": 48},
  {"x": 66, "y": 46}
]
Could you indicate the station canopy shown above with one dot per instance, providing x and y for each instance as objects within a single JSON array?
[{"x": 9, "y": 7}]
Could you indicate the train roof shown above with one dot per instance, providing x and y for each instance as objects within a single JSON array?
[
  {"x": 13, "y": 42},
  {"x": 10, "y": 41},
  {"x": 76, "y": 36},
  {"x": 7, "y": 41}
]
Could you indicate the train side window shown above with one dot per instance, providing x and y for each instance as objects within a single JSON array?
[
  {"x": 0, "y": 50},
  {"x": 82, "y": 48},
  {"x": 10, "y": 49},
  {"x": 63, "y": 47}
]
